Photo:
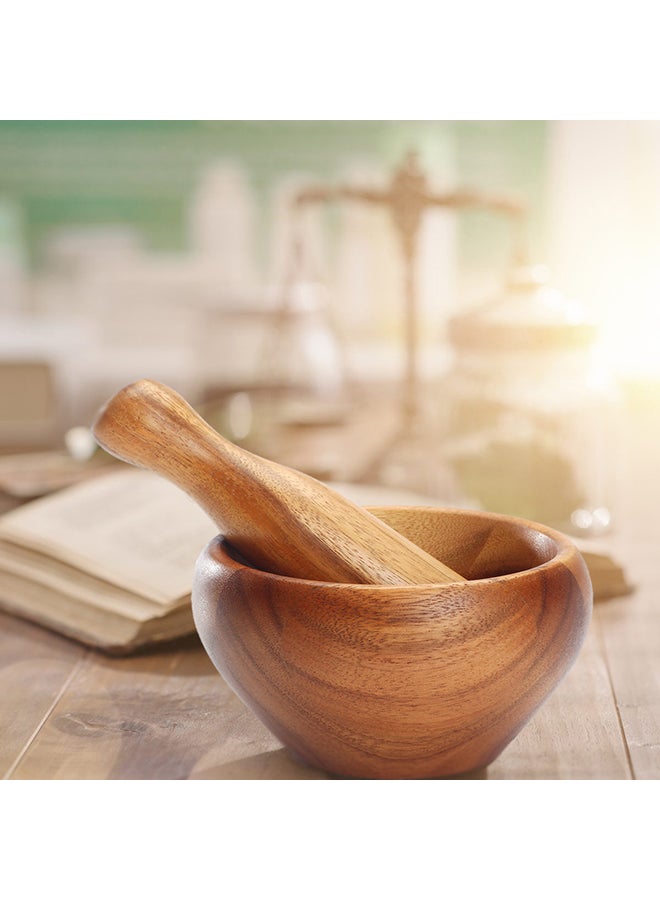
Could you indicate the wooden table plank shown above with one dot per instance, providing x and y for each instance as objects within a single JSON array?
[
  {"x": 576, "y": 733},
  {"x": 631, "y": 637},
  {"x": 275, "y": 764},
  {"x": 153, "y": 716},
  {"x": 631, "y": 625},
  {"x": 35, "y": 666}
]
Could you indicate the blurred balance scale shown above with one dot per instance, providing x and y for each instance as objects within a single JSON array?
[
  {"x": 300, "y": 353},
  {"x": 530, "y": 426},
  {"x": 298, "y": 378},
  {"x": 302, "y": 360},
  {"x": 300, "y": 373}
]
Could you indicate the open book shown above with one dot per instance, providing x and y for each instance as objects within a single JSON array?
[{"x": 109, "y": 561}]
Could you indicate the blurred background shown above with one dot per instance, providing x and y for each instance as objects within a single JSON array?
[{"x": 463, "y": 311}]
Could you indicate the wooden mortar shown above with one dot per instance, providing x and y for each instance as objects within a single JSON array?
[{"x": 407, "y": 681}]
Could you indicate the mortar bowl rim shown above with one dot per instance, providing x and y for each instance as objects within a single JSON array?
[{"x": 564, "y": 550}]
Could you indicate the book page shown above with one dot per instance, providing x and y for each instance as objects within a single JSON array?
[
  {"x": 129, "y": 527},
  {"x": 57, "y": 576},
  {"x": 104, "y": 628}
]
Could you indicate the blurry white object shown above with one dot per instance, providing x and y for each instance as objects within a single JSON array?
[
  {"x": 80, "y": 443},
  {"x": 303, "y": 352},
  {"x": 71, "y": 255},
  {"x": 240, "y": 415},
  {"x": 221, "y": 224},
  {"x": 368, "y": 268},
  {"x": 531, "y": 414},
  {"x": 302, "y": 358},
  {"x": 148, "y": 325},
  {"x": 292, "y": 227}
]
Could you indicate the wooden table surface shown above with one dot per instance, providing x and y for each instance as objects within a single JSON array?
[{"x": 67, "y": 712}]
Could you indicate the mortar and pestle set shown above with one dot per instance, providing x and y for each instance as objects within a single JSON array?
[{"x": 339, "y": 626}]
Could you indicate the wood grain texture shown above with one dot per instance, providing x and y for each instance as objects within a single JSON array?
[
  {"x": 630, "y": 632},
  {"x": 155, "y": 716},
  {"x": 281, "y": 520},
  {"x": 636, "y": 678},
  {"x": 35, "y": 667},
  {"x": 630, "y": 626},
  {"x": 576, "y": 734},
  {"x": 402, "y": 681}
]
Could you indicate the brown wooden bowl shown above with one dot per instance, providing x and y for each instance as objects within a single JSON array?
[{"x": 375, "y": 681}]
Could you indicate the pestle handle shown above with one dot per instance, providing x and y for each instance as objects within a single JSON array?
[{"x": 278, "y": 518}]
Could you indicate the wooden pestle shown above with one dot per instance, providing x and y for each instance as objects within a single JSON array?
[{"x": 279, "y": 519}]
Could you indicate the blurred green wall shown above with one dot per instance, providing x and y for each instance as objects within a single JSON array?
[{"x": 142, "y": 172}]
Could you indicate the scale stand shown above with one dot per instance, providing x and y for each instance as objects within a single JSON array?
[{"x": 409, "y": 197}]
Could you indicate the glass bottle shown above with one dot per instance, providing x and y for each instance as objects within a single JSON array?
[
  {"x": 530, "y": 427},
  {"x": 302, "y": 360}
]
